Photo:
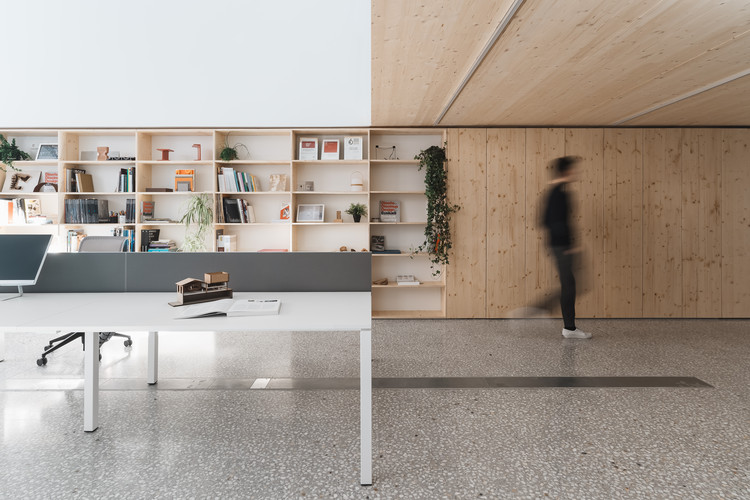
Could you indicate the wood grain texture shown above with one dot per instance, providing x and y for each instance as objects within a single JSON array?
[
  {"x": 725, "y": 105},
  {"x": 623, "y": 205},
  {"x": 662, "y": 219},
  {"x": 541, "y": 280},
  {"x": 466, "y": 278},
  {"x": 420, "y": 52},
  {"x": 506, "y": 221},
  {"x": 589, "y": 218},
  {"x": 735, "y": 224},
  {"x": 701, "y": 223}
]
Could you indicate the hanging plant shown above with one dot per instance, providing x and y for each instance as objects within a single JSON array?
[
  {"x": 198, "y": 218},
  {"x": 437, "y": 232},
  {"x": 229, "y": 153},
  {"x": 9, "y": 153}
]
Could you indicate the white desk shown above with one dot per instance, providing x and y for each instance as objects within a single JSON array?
[{"x": 111, "y": 312}]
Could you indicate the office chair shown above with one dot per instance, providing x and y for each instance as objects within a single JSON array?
[{"x": 90, "y": 244}]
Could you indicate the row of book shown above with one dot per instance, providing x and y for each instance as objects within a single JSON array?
[
  {"x": 230, "y": 181},
  {"x": 95, "y": 211},
  {"x": 78, "y": 181},
  {"x": 238, "y": 211},
  {"x": 126, "y": 180},
  {"x": 22, "y": 211}
]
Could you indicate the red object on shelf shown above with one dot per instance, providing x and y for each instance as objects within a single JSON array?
[{"x": 165, "y": 154}]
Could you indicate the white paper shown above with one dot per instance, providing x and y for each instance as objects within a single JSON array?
[{"x": 230, "y": 307}]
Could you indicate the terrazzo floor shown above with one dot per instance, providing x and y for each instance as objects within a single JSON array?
[{"x": 190, "y": 437}]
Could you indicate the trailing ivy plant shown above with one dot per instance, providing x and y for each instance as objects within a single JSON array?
[
  {"x": 198, "y": 217},
  {"x": 9, "y": 153},
  {"x": 437, "y": 232}
]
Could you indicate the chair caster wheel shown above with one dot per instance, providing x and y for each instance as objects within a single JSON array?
[
  {"x": 41, "y": 361},
  {"x": 128, "y": 343}
]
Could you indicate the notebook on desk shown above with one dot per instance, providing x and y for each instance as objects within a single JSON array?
[{"x": 230, "y": 307}]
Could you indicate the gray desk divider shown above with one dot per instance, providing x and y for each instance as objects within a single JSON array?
[
  {"x": 254, "y": 272},
  {"x": 248, "y": 272}
]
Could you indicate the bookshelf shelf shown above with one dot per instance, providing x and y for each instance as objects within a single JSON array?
[{"x": 270, "y": 152}]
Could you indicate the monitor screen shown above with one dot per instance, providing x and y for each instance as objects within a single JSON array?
[{"x": 22, "y": 257}]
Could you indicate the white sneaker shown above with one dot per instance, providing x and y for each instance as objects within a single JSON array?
[{"x": 575, "y": 334}]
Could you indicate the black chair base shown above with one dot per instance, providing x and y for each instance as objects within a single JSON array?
[{"x": 70, "y": 337}]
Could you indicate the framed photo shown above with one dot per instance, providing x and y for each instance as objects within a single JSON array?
[
  {"x": 308, "y": 148},
  {"x": 309, "y": 186},
  {"x": 311, "y": 212},
  {"x": 47, "y": 152},
  {"x": 330, "y": 149}
]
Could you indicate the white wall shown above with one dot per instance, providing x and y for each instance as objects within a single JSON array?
[{"x": 206, "y": 63}]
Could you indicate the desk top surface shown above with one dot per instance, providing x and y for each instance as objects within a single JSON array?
[{"x": 300, "y": 311}]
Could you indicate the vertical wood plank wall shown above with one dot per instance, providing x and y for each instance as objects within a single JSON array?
[
  {"x": 466, "y": 284},
  {"x": 663, "y": 216}
]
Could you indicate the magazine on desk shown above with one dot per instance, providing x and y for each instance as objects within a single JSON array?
[{"x": 231, "y": 307}]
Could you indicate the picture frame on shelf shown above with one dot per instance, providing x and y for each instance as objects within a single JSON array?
[
  {"x": 183, "y": 180},
  {"x": 311, "y": 212},
  {"x": 308, "y": 148},
  {"x": 309, "y": 186},
  {"x": 352, "y": 148},
  {"x": 21, "y": 181},
  {"x": 330, "y": 150},
  {"x": 47, "y": 151}
]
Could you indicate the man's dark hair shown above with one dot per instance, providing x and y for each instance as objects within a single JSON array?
[{"x": 564, "y": 163}]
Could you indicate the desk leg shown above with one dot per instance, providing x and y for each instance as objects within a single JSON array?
[
  {"x": 365, "y": 406},
  {"x": 153, "y": 358},
  {"x": 91, "y": 382}
]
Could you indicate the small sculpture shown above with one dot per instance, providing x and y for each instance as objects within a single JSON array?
[
  {"x": 165, "y": 154},
  {"x": 198, "y": 147},
  {"x": 103, "y": 152},
  {"x": 338, "y": 216}
]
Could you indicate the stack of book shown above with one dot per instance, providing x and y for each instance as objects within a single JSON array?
[
  {"x": 230, "y": 181},
  {"x": 86, "y": 211},
  {"x": 238, "y": 211},
  {"x": 162, "y": 246},
  {"x": 126, "y": 180},
  {"x": 406, "y": 280}
]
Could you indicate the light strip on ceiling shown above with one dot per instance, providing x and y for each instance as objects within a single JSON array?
[
  {"x": 488, "y": 46},
  {"x": 682, "y": 97}
]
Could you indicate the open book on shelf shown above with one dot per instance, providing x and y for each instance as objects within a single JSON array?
[{"x": 230, "y": 307}]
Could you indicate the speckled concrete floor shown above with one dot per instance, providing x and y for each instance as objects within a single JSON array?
[{"x": 429, "y": 443}]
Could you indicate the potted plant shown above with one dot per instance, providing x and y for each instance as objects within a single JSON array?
[
  {"x": 198, "y": 218},
  {"x": 437, "y": 230},
  {"x": 9, "y": 153},
  {"x": 357, "y": 210},
  {"x": 229, "y": 153}
]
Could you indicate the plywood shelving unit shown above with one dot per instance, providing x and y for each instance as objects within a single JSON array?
[{"x": 388, "y": 175}]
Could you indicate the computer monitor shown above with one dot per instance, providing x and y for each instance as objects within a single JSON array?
[{"x": 21, "y": 259}]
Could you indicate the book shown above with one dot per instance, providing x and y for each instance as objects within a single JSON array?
[
  {"x": 390, "y": 211},
  {"x": 232, "y": 211},
  {"x": 85, "y": 182},
  {"x": 377, "y": 243},
  {"x": 308, "y": 148},
  {"x": 330, "y": 149},
  {"x": 230, "y": 307},
  {"x": 183, "y": 179},
  {"x": 148, "y": 236},
  {"x": 226, "y": 243},
  {"x": 147, "y": 210},
  {"x": 32, "y": 207},
  {"x": 352, "y": 148}
]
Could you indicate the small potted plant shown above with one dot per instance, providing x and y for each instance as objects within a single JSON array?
[
  {"x": 9, "y": 153},
  {"x": 229, "y": 153},
  {"x": 357, "y": 210}
]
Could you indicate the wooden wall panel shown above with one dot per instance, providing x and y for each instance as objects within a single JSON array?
[
  {"x": 701, "y": 223},
  {"x": 506, "y": 221},
  {"x": 623, "y": 204},
  {"x": 467, "y": 185},
  {"x": 735, "y": 224},
  {"x": 589, "y": 218},
  {"x": 542, "y": 146},
  {"x": 662, "y": 213}
]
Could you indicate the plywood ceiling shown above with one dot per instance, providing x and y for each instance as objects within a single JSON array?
[{"x": 560, "y": 62}]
